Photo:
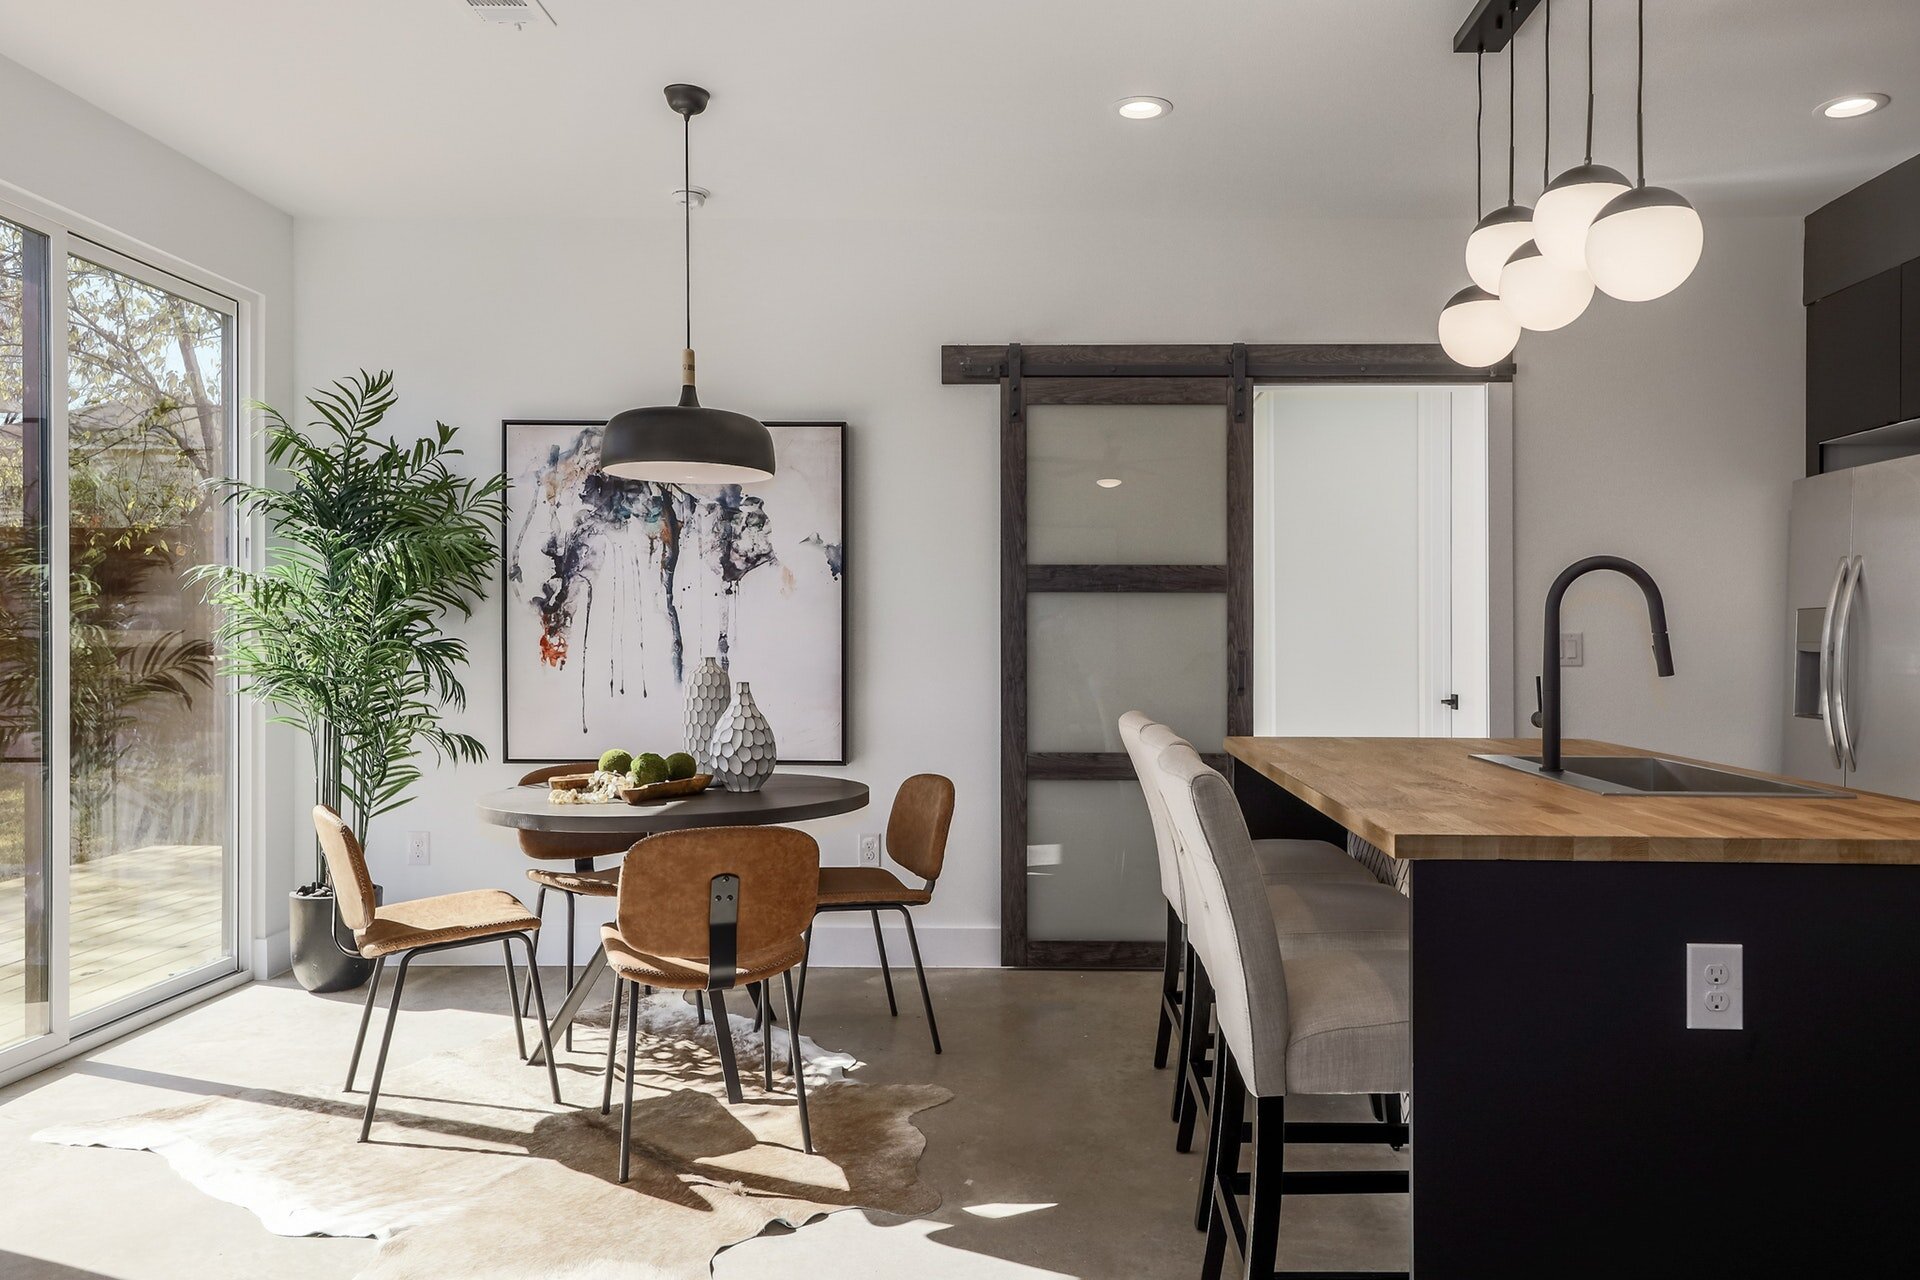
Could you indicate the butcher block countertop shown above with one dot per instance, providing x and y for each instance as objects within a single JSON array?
[{"x": 1428, "y": 798}]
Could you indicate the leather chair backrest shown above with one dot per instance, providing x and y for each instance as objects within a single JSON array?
[
  {"x": 347, "y": 865},
  {"x": 667, "y": 881},
  {"x": 917, "y": 827},
  {"x": 1229, "y": 920},
  {"x": 1133, "y": 726},
  {"x": 561, "y": 844}
]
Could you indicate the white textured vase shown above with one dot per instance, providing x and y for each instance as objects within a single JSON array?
[
  {"x": 742, "y": 747},
  {"x": 706, "y": 700}
]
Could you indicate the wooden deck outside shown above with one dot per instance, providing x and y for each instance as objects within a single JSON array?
[{"x": 139, "y": 918}]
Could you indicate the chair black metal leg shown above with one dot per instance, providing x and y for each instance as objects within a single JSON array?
[
  {"x": 539, "y": 913},
  {"x": 806, "y": 954},
  {"x": 700, "y": 1007},
  {"x": 513, "y": 999},
  {"x": 386, "y": 1040},
  {"x": 723, "y": 1041},
  {"x": 1396, "y": 1113},
  {"x": 1187, "y": 963},
  {"x": 766, "y": 1036},
  {"x": 1263, "y": 1213},
  {"x": 920, "y": 971},
  {"x": 366, "y": 1016},
  {"x": 613, "y": 1044},
  {"x": 626, "y": 1111},
  {"x": 540, "y": 1007},
  {"x": 570, "y": 907},
  {"x": 880, "y": 944},
  {"x": 1169, "y": 987},
  {"x": 793, "y": 1061}
]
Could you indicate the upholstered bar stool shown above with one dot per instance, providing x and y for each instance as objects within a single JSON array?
[
  {"x": 409, "y": 929},
  {"x": 1327, "y": 1021},
  {"x": 710, "y": 910},
  {"x": 581, "y": 880},
  {"x": 1282, "y": 861},
  {"x": 917, "y": 840},
  {"x": 1313, "y": 906}
]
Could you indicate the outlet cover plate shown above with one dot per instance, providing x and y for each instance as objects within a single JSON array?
[
  {"x": 1716, "y": 987},
  {"x": 419, "y": 849},
  {"x": 870, "y": 849}
]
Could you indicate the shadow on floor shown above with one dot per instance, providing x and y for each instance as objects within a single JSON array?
[{"x": 18, "y": 1266}]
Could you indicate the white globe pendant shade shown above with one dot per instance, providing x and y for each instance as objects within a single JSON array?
[
  {"x": 1644, "y": 244},
  {"x": 1476, "y": 329},
  {"x": 1493, "y": 241},
  {"x": 1540, "y": 293},
  {"x": 1567, "y": 209}
]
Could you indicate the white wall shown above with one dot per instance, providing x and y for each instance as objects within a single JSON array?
[
  {"x": 66, "y": 152},
  {"x": 1668, "y": 432}
]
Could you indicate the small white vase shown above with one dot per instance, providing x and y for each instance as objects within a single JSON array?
[
  {"x": 708, "y": 693},
  {"x": 742, "y": 747}
]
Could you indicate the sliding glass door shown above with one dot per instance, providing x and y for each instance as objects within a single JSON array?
[{"x": 118, "y": 872}]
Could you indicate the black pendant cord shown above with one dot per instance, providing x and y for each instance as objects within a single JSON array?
[
  {"x": 1640, "y": 92},
  {"x": 1589, "y": 159},
  {"x": 1546, "y": 93},
  {"x": 1513, "y": 56},
  {"x": 1479, "y": 132},
  {"x": 686, "y": 216}
]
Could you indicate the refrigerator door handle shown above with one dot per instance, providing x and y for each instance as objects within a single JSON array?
[
  {"x": 1840, "y": 654},
  {"x": 1826, "y": 662}
]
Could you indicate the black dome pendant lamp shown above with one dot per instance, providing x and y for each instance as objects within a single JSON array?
[{"x": 686, "y": 443}]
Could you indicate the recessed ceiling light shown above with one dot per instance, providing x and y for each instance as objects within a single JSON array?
[
  {"x": 1108, "y": 482},
  {"x": 1853, "y": 104},
  {"x": 1143, "y": 108}
]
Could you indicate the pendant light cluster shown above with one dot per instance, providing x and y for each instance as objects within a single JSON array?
[
  {"x": 687, "y": 443},
  {"x": 1537, "y": 268}
]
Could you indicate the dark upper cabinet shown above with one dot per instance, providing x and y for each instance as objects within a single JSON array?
[
  {"x": 1910, "y": 340},
  {"x": 1854, "y": 360}
]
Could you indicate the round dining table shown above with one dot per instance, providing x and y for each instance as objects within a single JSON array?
[{"x": 785, "y": 797}]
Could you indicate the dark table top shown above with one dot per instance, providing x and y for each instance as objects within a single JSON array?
[{"x": 787, "y": 797}]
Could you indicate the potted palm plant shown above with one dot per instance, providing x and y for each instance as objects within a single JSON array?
[{"x": 373, "y": 544}]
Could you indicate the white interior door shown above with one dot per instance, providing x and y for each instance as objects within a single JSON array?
[{"x": 1374, "y": 592}]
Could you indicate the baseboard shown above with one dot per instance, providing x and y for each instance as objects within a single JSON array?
[
  {"x": 272, "y": 955},
  {"x": 844, "y": 941}
]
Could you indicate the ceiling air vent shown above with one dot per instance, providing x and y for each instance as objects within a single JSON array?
[{"x": 515, "y": 12}]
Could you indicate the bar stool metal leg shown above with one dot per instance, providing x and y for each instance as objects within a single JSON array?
[
  {"x": 540, "y": 1008},
  {"x": 920, "y": 971},
  {"x": 794, "y": 1062},
  {"x": 626, "y": 1111},
  {"x": 366, "y": 1016},
  {"x": 513, "y": 999},
  {"x": 880, "y": 944},
  {"x": 723, "y": 1041},
  {"x": 539, "y": 913},
  {"x": 613, "y": 1044},
  {"x": 386, "y": 1041}
]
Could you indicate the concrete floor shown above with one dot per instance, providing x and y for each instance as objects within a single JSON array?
[{"x": 1055, "y": 1157}]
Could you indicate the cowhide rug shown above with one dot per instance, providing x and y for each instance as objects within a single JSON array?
[{"x": 472, "y": 1171}]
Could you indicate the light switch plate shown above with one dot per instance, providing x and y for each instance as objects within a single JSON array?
[
  {"x": 1716, "y": 987},
  {"x": 1573, "y": 645}
]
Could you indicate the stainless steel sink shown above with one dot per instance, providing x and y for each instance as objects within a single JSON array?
[{"x": 1658, "y": 776}]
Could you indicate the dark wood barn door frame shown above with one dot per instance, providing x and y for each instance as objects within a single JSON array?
[{"x": 1222, "y": 374}]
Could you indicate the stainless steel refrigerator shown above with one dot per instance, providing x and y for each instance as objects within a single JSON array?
[{"x": 1853, "y": 602}]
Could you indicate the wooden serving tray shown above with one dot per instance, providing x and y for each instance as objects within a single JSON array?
[
  {"x": 570, "y": 781},
  {"x": 654, "y": 792}
]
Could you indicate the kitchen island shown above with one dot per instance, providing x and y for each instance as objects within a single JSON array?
[{"x": 1568, "y": 1122}]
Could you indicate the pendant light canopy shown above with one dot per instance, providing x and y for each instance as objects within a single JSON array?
[
  {"x": 1497, "y": 235},
  {"x": 1476, "y": 330},
  {"x": 1567, "y": 208},
  {"x": 1645, "y": 242},
  {"x": 687, "y": 443}
]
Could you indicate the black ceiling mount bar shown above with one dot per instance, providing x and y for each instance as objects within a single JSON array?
[
  {"x": 1491, "y": 25},
  {"x": 1296, "y": 362}
]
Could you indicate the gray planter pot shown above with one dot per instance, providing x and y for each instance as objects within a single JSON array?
[{"x": 318, "y": 964}]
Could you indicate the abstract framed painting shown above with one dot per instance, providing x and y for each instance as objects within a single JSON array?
[{"x": 616, "y": 589}]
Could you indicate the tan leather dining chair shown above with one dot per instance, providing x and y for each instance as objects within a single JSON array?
[
  {"x": 917, "y": 840},
  {"x": 409, "y": 929},
  {"x": 582, "y": 879},
  {"x": 709, "y": 910}
]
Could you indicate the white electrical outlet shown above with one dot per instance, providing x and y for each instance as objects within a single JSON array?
[
  {"x": 419, "y": 849},
  {"x": 1716, "y": 987},
  {"x": 870, "y": 850}
]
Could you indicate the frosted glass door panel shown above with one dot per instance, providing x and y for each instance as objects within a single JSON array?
[
  {"x": 1092, "y": 871},
  {"x": 1170, "y": 504},
  {"x": 1093, "y": 657}
]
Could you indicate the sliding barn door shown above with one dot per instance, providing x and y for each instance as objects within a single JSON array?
[{"x": 1125, "y": 585}]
